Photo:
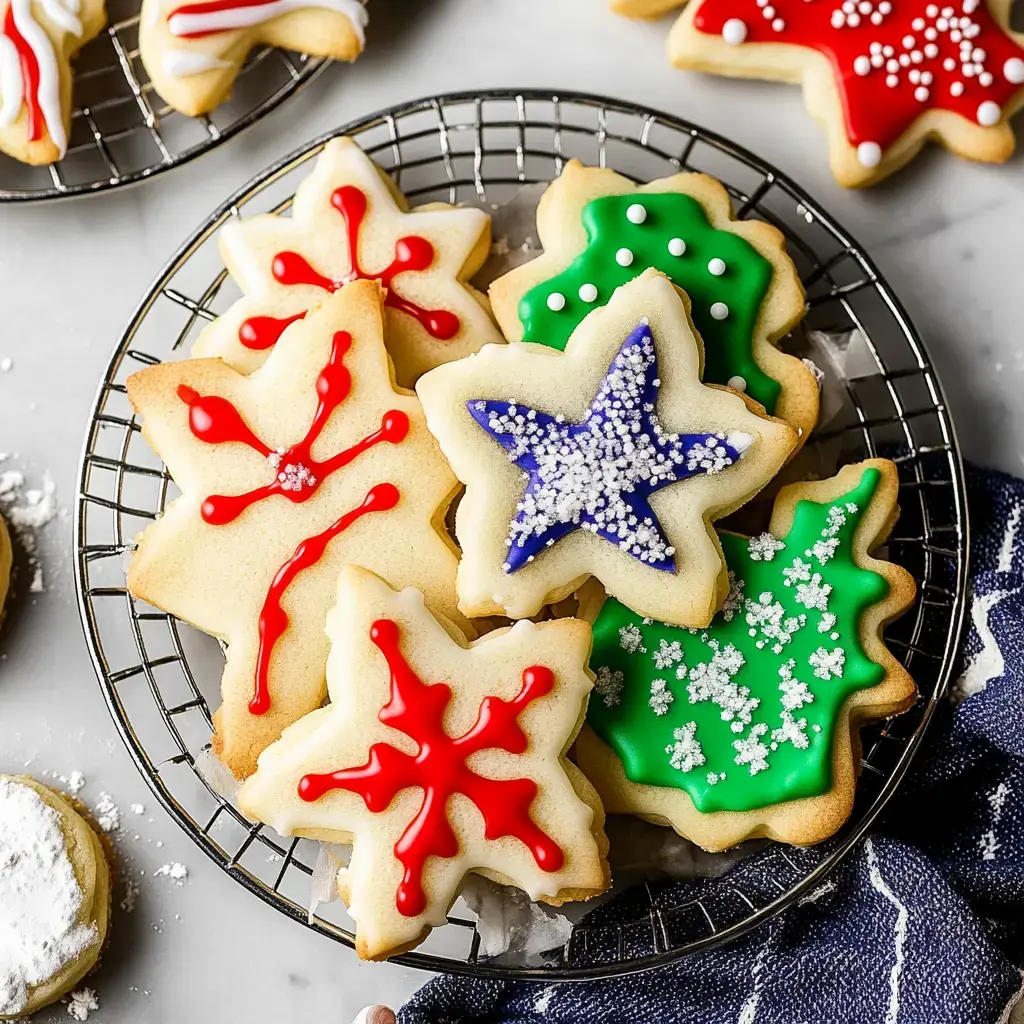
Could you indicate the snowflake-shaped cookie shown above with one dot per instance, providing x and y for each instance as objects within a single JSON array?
[
  {"x": 883, "y": 75},
  {"x": 349, "y": 221},
  {"x": 608, "y": 459},
  {"x": 312, "y": 462},
  {"x": 757, "y": 738},
  {"x": 435, "y": 759},
  {"x": 194, "y": 49},
  {"x": 37, "y": 42}
]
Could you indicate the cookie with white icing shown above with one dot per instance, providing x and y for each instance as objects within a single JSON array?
[
  {"x": 883, "y": 77},
  {"x": 55, "y": 886},
  {"x": 600, "y": 230},
  {"x": 38, "y": 39},
  {"x": 349, "y": 221},
  {"x": 751, "y": 727},
  {"x": 609, "y": 459},
  {"x": 437, "y": 758},
  {"x": 193, "y": 51},
  {"x": 313, "y": 461}
]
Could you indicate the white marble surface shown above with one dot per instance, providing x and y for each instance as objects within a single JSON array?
[{"x": 947, "y": 235}]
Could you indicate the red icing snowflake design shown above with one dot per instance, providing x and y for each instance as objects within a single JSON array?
[
  {"x": 298, "y": 476},
  {"x": 412, "y": 253},
  {"x": 439, "y": 768},
  {"x": 892, "y": 59}
]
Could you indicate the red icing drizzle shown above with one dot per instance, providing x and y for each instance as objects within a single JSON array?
[
  {"x": 882, "y": 99},
  {"x": 29, "y": 75},
  {"x": 215, "y": 420},
  {"x": 273, "y": 618},
  {"x": 439, "y": 768},
  {"x": 212, "y": 7},
  {"x": 412, "y": 253}
]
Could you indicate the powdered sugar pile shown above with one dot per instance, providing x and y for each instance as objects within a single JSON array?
[
  {"x": 27, "y": 509},
  {"x": 81, "y": 1003},
  {"x": 39, "y": 933},
  {"x": 108, "y": 814},
  {"x": 175, "y": 872}
]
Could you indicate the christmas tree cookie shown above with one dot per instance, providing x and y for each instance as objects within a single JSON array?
[
  {"x": 882, "y": 76},
  {"x": 312, "y": 462},
  {"x": 609, "y": 459},
  {"x": 750, "y": 727},
  {"x": 600, "y": 230},
  {"x": 350, "y": 222},
  {"x": 436, "y": 758}
]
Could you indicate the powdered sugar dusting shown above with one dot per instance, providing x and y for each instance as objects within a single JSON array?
[
  {"x": 108, "y": 814},
  {"x": 176, "y": 872},
  {"x": 41, "y": 898},
  {"x": 28, "y": 509}
]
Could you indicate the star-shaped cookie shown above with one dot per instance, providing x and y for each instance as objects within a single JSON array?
[
  {"x": 883, "y": 76},
  {"x": 436, "y": 758},
  {"x": 600, "y": 230},
  {"x": 609, "y": 459},
  {"x": 312, "y": 462},
  {"x": 37, "y": 41},
  {"x": 349, "y": 220},
  {"x": 193, "y": 51}
]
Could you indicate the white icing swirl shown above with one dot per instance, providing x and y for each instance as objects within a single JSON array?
[{"x": 182, "y": 63}]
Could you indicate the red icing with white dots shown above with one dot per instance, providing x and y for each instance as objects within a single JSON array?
[
  {"x": 439, "y": 768},
  {"x": 893, "y": 59},
  {"x": 298, "y": 477},
  {"x": 412, "y": 253}
]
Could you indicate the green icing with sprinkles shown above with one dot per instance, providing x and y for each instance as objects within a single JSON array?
[
  {"x": 724, "y": 276},
  {"x": 742, "y": 715}
]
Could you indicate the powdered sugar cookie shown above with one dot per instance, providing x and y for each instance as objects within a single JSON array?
[
  {"x": 54, "y": 897},
  {"x": 643, "y": 8},
  {"x": 609, "y": 459},
  {"x": 194, "y": 51},
  {"x": 599, "y": 230},
  {"x": 386, "y": 765},
  {"x": 312, "y": 462},
  {"x": 882, "y": 77},
  {"x": 350, "y": 221},
  {"x": 38, "y": 38},
  {"x": 750, "y": 728}
]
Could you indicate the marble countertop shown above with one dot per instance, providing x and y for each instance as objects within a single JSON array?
[{"x": 946, "y": 234}]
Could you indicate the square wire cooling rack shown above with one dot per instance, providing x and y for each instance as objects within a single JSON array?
[
  {"x": 122, "y": 132},
  {"x": 160, "y": 677}
]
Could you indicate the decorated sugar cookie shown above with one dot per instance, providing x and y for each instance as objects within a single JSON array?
[
  {"x": 436, "y": 758},
  {"x": 38, "y": 38},
  {"x": 312, "y": 462},
  {"x": 600, "y": 230},
  {"x": 883, "y": 76},
  {"x": 54, "y": 897},
  {"x": 609, "y": 459},
  {"x": 750, "y": 727},
  {"x": 193, "y": 51},
  {"x": 643, "y": 8},
  {"x": 349, "y": 222}
]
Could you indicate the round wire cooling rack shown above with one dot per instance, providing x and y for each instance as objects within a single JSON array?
[
  {"x": 121, "y": 130},
  {"x": 160, "y": 677}
]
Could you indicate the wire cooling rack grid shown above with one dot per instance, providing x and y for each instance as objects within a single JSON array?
[
  {"x": 122, "y": 132},
  {"x": 160, "y": 677}
]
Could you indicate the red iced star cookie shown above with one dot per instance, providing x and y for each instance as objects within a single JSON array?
[{"x": 882, "y": 75}]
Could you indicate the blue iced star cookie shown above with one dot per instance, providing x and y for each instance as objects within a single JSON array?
[
  {"x": 608, "y": 459},
  {"x": 598, "y": 475}
]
